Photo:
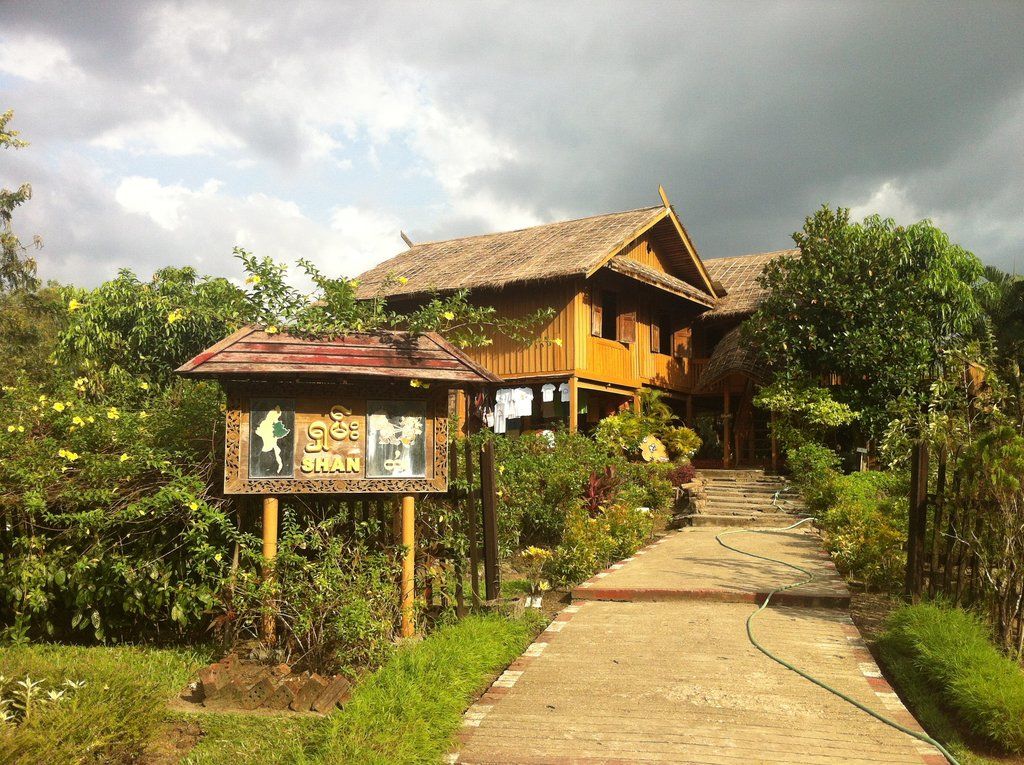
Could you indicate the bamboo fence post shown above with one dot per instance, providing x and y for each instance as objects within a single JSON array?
[
  {"x": 489, "y": 503},
  {"x": 270, "y": 518},
  {"x": 471, "y": 528}
]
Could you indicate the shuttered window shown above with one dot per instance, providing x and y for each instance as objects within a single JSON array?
[{"x": 627, "y": 327}]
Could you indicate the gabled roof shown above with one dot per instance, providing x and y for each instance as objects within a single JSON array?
[
  {"x": 550, "y": 251},
  {"x": 251, "y": 352},
  {"x": 660, "y": 279},
  {"x": 739, "y": 278}
]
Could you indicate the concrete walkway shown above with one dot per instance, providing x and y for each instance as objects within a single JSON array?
[{"x": 676, "y": 680}]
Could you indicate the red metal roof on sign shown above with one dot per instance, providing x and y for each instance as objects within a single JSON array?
[{"x": 251, "y": 352}]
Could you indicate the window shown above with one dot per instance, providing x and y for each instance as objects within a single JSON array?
[
  {"x": 609, "y": 315},
  {"x": 661, "y": 333},
  {"x": 604, "y": 315}
]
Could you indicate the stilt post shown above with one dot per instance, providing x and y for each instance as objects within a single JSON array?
[{"x": 574, "y": 405}]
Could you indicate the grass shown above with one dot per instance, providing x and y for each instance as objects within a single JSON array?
[
  {"x": 943, "y": 656},
  {"x": 406, "y": 712},
  {"x": 409, "y": 711},
  {"x": 112, "y": 719}
]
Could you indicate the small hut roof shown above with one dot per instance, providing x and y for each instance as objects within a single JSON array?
[
  {"x": 732, "y": 354},
  {"x": 553, "y": 250},
  {"x": 739, "y": 278},
  {"x": 251, "y": 352},
  {"x": 660, "y": 279}
]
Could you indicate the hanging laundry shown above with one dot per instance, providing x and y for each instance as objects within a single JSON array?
[{"x": 563, "y": 391}]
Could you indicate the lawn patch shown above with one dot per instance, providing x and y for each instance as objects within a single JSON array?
[
  {"x": 112, "y": 719},
  {"x": 952, "y": 655}
]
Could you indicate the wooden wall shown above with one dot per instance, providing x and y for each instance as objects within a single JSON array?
[{"x": 505, "y": 357}]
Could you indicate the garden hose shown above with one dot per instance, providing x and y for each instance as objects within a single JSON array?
[{"x": 807, "y": 676}]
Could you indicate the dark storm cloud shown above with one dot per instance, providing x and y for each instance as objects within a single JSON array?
[{"x": 751, "y": 115}]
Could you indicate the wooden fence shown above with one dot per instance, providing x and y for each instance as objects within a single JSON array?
[
  {"x": 474, "y": 502},
  {"x": 962, "y": 548}
]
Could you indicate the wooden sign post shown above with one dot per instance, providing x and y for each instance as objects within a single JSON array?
[{"x": 360, "y": 414}]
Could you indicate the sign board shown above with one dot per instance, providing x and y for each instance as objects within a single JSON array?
[{"x": 292, "y": 438}]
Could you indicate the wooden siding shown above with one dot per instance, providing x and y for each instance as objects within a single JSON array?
[
  {"x": 506, "y": 358},
  {"x": 645, "y": 250}
]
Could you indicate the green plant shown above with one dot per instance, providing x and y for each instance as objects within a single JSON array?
[
  {"x": 623, "y": 433},
  {"x": 866, "y": 527},
  {"x": 336, "y": 597},
  {"x": 114, "y": 702},
  {"x": 814, "y": 469},
  {"x": 409, "y": 710},
  {"x": 952, "y": 651}
]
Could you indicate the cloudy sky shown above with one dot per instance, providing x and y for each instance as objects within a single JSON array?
[{"x": 167, "y": 133}]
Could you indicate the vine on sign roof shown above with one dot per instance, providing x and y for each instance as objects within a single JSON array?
[{"x": 332, "y": 308}]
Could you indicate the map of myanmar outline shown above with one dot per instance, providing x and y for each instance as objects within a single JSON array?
[{"x": 270, "y": 431}]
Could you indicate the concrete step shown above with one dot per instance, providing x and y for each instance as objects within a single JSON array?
[
  {"x": 766, "y": 520},
  {"x": 756, "y": 501}
]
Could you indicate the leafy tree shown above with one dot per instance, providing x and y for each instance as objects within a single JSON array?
[
  {"x": 147, "y": 329},
  {"x": 1001, "y": 296},
  {"x": 16, "y": 270},
  {"x": 333, "y": 308},
  {"x": 873, "y": 302}
]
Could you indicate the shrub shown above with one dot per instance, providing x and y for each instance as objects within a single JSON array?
[
  {"x": 647, "y": 485},
  {"x": 682, "y": 474},
  {"x": 622, "y": 433},
  {"x": 110, "y": 526},
  {"x": 814, "y": 469},
  {"x": 539, "y": 484},
  {"x": 591, "y": 543},
  {"x": 337, "y": 598},
  {"x": 951, "y": 649},
  {"x": 866, "y": 527}
]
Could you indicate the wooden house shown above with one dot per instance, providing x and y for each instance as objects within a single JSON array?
[{"x": 635, "y": 307}]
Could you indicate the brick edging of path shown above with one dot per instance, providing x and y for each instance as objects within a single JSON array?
[
  {"x": 504, "y": 683},
  {"x": 591, "y": 589}
]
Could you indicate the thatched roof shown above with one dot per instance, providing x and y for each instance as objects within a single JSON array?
[
  {"x": 660, "y": 279},
  {"x": 732, "y": 354},
  {"x": 739, "y": 278},
  {"x": 550, "y": 251}
]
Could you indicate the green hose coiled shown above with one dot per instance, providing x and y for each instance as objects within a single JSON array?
[{"x": 821, "y": 683}]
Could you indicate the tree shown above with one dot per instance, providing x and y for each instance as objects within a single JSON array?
[
  {"x": 1001, "y": 297},
  {"x": 16, "y": 270},
  {"x": 875, "y": 303}
]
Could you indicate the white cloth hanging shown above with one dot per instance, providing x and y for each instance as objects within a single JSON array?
[
  {"x": 547, "y": 393},
  {"x": 563, "y": 391}
]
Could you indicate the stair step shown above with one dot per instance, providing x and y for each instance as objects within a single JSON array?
[{"x": 772, "y": 521}]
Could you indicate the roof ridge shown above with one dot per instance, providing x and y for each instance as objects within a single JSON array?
[
  {"x": 539, "y": 225},
  {"x": 752, "y": 254}
]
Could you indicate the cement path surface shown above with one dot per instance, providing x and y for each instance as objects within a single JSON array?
[{"x": 678, "y": 681}]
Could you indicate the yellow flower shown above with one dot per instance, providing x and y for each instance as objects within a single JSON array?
[
  {"x": 174, "y": 316},
  {"x": 35, "y": 408},
  {"x": 42, "y": 399},
  {"x": 67, "y": 454},
  {"x": 449, "y": 315},
  {"x": 254, "y": 279},
  {"x": 402, "y": 280},
  {"x": 58, "y": 406},
  {"x": 143, "y": 414},
  {"x": 193, "y": 505},
  {"x": 21, "y": 428},
  {"x": 125, "y": 458},
  {"x": 354, "y": 283},
  {"x": 78, "y": 420},
  {"x": 80, "y": 384},
  {"x": 271, "y": 330},
  {"x": 90, "y": 418},
  {"x": 113, "y": 414},
  {"x": 11, "y": 428},
  {"x": 144, "y": 385},
  {"x": 74, "y": 305},
  {"x": 415, "y": 383},
  {"x": 557, "y": 341},
  {"x": 8, "y": 389}
]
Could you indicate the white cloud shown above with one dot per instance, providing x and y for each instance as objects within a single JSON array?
[
  {"x": 180, "y": 132},
  {"x": 890, "y": 200},
  {"x": 36, "y": 59},
  {"x": 162, "y": 204}
]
